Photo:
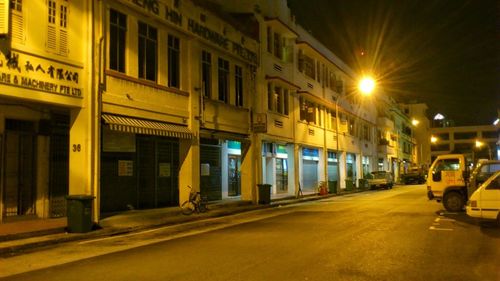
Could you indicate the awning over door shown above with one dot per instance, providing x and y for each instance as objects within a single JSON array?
[{"x": 146, "y": 127}]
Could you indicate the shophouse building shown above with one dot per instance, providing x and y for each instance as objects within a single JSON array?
[
  {"x": 397, "y": 150},
  {"x": 176, "y": 84},
  {"x": 306, "y": 95},
  {"x": 421, "y": 126},
  {"x": 46, "y": 148}
]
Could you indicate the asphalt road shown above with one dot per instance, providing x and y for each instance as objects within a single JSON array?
[{"x": 377, "y": 235}]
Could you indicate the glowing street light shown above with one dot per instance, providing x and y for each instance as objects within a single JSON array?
[
  {"x": 366, "y": 85},
  {"x": 415, "y": 122},
  {"x": 479, "y": 144},
  {"x": 434, "y": 139}
]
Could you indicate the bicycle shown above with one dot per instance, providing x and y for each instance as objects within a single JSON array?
[{"x": 195, "y": 203}]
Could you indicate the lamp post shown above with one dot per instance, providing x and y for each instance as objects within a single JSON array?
[{"x": 366, "y": 86}]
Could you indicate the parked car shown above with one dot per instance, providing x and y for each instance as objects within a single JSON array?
[
  {"x": 483, "y": 170},
  {"x": 380, "y": 179},
  {"x": 485, "y": 201}
]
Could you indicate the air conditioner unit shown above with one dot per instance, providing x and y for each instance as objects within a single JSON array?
[{"x": 4, "y": 18}]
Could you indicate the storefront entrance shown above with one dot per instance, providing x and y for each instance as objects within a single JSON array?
[
  {"x": 234, "y": 176},
  {"x": 158, "y": 165},
  {"x": 138, "y": 171},
  {"x": 19, "y": 190},
  {"x": 281, "y": 175}
]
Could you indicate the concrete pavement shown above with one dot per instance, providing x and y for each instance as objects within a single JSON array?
[{"x": 25, "y": 236}]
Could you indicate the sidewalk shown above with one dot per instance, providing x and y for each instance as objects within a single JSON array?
[{"x": 21, "y": 237}]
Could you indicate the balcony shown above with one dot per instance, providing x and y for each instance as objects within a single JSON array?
[
  {"x": 384, "y": 122},
  {"x": 385, "y": 148}
]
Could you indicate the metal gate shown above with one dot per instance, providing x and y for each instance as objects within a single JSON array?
[
  {"x": 19, "y": 189},
  {"x": 58, "y": 164},
  {"x": 158, "y": 169},
  {"x": 211, "y": 183}
]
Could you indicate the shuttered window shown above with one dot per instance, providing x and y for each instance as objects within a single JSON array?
[{"x": 57, "y": 26}]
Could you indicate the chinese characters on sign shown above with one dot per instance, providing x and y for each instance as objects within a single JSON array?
[{"x": 40, "y": 75}]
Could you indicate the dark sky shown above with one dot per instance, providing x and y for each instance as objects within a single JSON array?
[{"x": 445, "y": 53}]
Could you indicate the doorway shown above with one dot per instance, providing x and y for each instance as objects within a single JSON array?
[
  {"x": 234, "y": 175},
  {"x": 19, "y": 182}
]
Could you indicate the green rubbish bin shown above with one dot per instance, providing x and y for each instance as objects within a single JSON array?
[
  {"x": 79, "y": 212},
  {"x": 363, "y": 184},
  {"x": 332, "y": 187},
  {"x": 264, "y": 193},
  {"x": 349, "y": 184}
]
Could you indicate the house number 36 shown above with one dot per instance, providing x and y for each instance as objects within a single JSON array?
[{"x": 77, "y": 147}]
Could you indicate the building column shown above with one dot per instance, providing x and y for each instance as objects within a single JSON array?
[
  {"x": 297, "y": 170},
  {"x": 80, "y": 152},
  {"x": 248, "y": 176},
  {"x": 189, "y": 167}
]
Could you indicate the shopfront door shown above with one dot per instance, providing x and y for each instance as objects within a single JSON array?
[
  {"x": 19, "y": 161},
  {"x": 234, "y": 176},
  {"x": 281, "y": 175}
]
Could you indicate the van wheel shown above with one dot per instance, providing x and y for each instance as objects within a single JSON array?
[{"x": 453, "y": 202}]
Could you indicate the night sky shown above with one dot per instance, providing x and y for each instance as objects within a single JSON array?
[{"x": 445, "y": 53}]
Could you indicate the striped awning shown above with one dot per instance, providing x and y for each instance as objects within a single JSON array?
[{"x": 146, "y": 127}]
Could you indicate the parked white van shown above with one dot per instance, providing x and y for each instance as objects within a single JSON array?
[{"x": 485, "y": 201}]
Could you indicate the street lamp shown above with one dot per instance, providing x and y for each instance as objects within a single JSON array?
[
  {"x": 480, "y": 144},
  {"x": 366, "y": 86}
]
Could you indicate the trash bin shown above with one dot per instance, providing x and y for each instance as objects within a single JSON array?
[
  {"x": 349, "y": 184},
  {"x": 264, "y": 193},
  {"x": 79, "y": 212},
  {"x": 332, "y": 187},
  {"x": 363, "y": 184}
]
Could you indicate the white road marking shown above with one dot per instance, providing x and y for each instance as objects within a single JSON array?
[
  {"x": 443, "y": 229},
  {"x": 443, "y": 219}
]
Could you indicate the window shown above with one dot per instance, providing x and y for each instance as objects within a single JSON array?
[
  {"x": 206, "y": 73},
  {"x": 277, "y": 45},
  {"x": 223, "y": 80},
  {"x": 269, "y": 96},
  {"x": 318, "y": 71},
  {"x": 447, "y": 165},
  {"x": 350, "y": 125},
  {"x": 366, "y": 132},
  {"x": 238, "y": 85},
  {"x": 308, "y": 111},
  {"x": 494, "y": 184},
  {"x": 117, "y": 34},
  {"x": 489, "y": 134},
  {"x": 309, "y": 68},
  {"x": 279, "y": 101},
  {"x": 57, "y": 33},
  {"x": 148, "y": 40},
  {"x": 174, "y": 66},
  {"x": 333, "y": 79},
  {"x": 16, "y": 5},
  {"x": 269, "y": 40},
  {"x": 285, "y": 102},
  {"x": 465, "y": 135},
  {"x": 17, "y": 21}
]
